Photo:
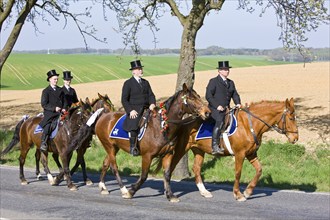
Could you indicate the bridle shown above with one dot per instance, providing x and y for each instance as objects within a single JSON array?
[
  {"x": 195, "y": 113},
  {"x": 275, "y": 126}
]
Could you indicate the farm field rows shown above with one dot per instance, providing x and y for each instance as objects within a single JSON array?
[{"x": 308, "y": 85}]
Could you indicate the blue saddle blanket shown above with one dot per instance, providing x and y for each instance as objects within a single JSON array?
[
  {"x": 118, "y": 131},
  {"x": 205, "y": 130},
  {"x": 39, "y": 129}
]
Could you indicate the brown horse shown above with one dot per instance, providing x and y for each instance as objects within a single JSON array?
[
  {"x": 252, "y": 122},
  {"x": 59, "y": 145},
  {"x": 100, "y": 102},
  {"x": 159, "y": 138}
]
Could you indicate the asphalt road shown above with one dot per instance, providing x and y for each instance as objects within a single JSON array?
[{"x": 39, "y": 200}]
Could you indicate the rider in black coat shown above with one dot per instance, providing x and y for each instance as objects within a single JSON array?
[
  {"x": 69, "y": 92},
  {"x": 219, "y": 91},
  {"x": 53, "y": 103},
  {"x": 136, "y": 96}
]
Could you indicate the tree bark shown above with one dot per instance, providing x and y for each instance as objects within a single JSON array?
[{"x": 186, "y": 70}]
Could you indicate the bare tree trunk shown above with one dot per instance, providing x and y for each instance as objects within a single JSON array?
[
  {"x": 186, "y": 72},
  {"x": 11, "y": 41}
]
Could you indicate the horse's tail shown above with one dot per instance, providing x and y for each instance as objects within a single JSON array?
[
  {"x": 15, "y": 138},
  {"x": 158, "y": 164},
  {"x": 84, "y": 135}
]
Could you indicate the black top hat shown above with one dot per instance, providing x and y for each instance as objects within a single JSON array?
[
  {"x": 67, "y": 75},
  {"x": 223, "y": 65},
  {"x": 51, "y": 73},
  {"x": 136, "y": 64}
]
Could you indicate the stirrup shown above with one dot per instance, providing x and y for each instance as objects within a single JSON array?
[
  {"x": 217, "y": 151},
  {"x": 135, "y": 151},
  {"x": 43, "y": 147}
]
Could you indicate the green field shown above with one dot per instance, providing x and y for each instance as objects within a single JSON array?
[{"x": 28, "y": 71}]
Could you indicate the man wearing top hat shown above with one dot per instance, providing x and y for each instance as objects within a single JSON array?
[
  {"x": 69, "y": 92},
  {"x": 219, "y": 91},
  {"x": 53, "y": 103},
  {"x": 136, "y": 96}
]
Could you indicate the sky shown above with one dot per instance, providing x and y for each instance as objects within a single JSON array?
[{"x": 228, "y": 28}]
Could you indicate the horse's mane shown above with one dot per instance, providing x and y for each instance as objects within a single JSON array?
[
  {"x": 264, "y": 102},
  {"x": 95, "y": 101},
  {"x": 168, "y": 103}
]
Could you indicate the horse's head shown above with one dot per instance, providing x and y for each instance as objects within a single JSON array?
[
  {"x": 83, "y": 111},
  {"x": 192, "y": 103},
  {"x": 103, "y": 102},
  {"x": 288, "y": 123}
]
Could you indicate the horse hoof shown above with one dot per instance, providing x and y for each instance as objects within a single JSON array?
[
  {"x": 73, "y": 188},
  {"x": 246, "y": 195},
  {"x": 241, "y": 199},
  {"x": 23, "y": 183},
  {"x": 104, "y": 192},
  {"x": 174, "y": 199},
  {"x": 127, "y": 195},
  {"x": 39, "y": 177},
  {"x": 207, "y": 194},
  {"x": 89, "y": 182}
]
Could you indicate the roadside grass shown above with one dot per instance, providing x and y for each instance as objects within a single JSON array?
[
  {"x": 28, "y": 71},
  {"x": 285, "y": 166}
]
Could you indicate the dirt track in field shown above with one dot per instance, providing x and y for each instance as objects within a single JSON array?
[{"x": 308, "y": 85}]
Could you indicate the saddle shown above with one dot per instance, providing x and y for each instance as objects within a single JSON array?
[{"x": 118, "y": 132}]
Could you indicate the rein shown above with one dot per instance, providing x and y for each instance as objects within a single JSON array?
[{"x": 276, "y": 128}]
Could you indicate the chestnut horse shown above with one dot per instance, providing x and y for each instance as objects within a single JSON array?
[
  {"x": 252, "y": 122},
  {"x": 59, "y": 145},
  {"x": 158, "y": 140}
]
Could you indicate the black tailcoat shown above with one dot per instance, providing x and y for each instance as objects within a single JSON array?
[
  {"x": 218, "y": 93},
  {"x": 70, "y": 95},
  {"x": 51, "y": 99},
  {"x": 136, "y": 97}
]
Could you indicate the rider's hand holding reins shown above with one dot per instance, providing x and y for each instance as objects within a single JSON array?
[{"x": 152, "y": 106}]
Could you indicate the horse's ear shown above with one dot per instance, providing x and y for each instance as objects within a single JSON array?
[
  {"x": 289, "y": 104},
  {"x": 100, "y": 96},
  {"x": 81, "y": 103},
  {"x": 87, "y": 101},
  {"x": 184, "y": 87}
]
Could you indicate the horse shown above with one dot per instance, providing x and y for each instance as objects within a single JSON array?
[
  {"x": 158, "y": 140},
  {"x": 252, "y": 123},
  {"x": 105, "y": 103},
  {"x": 75, "y": 118},
  {"x": 100, "y": 102}
]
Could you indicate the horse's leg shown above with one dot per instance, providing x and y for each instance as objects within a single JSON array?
[
  {"x": 239, "y": 159},
  {"x": 197, "y": 167},
  {"x": 25, "y": 147},
  {"x": 44, "y": 161},
  {"x": 146, "y": 162},
  {"x": 81, "y": 161},
  {"x": 166, "y": 162},
  {"x": 59, "y": 165},
  {"x": 65, "y": 157},
  {"x": 37, "y": 157},
  {"x": 257, "y": 166},
  {"x": 105, "y": 167}
]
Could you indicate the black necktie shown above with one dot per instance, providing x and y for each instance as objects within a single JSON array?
[
  {"x": 226, "y": 83},
  {"x": 140, "y": 83}
]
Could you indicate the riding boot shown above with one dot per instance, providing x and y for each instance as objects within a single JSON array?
[
  {"x": 216, "y": 150},
  {"x": 133, "y": 146},
  {"x": 44, "y": 139}
]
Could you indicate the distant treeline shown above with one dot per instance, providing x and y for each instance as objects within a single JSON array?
[{"x": 277, "y": 54}]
